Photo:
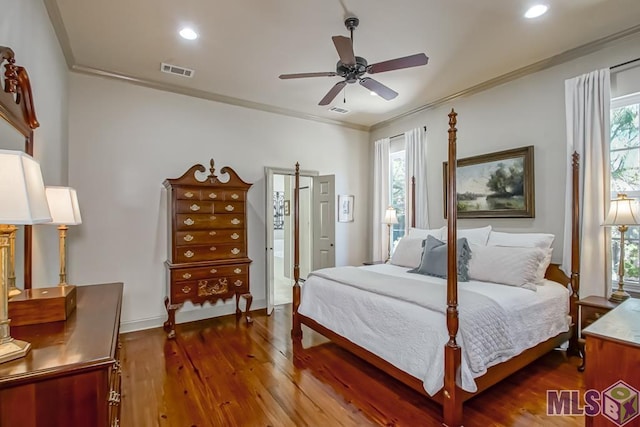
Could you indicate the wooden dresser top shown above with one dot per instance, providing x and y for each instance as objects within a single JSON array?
[
  {"x": 622, "y": 324},
  {"x": 86, "y": 340}
]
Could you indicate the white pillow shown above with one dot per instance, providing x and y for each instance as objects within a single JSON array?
[
  {"x": 408, "y": 252},
  {"x": 544, "y": 264},
  {"x": 511, "y": 266},
  {"x": 422, "y": 233},
  {"x": 475, "y": 236},
  {"x": 523, "y": 240}
]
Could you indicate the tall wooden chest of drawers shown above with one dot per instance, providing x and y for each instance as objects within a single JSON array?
[{"x": 207, "y": 259}]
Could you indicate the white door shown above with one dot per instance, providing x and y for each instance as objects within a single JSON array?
[{"x": 324, "y": 222}]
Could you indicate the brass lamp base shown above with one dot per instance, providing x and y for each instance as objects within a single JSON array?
[
  {"x": 13, "y": 349},
  {"x": 618, "y": 296}
]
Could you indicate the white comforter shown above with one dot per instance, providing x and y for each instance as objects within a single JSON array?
[{"x": 393, "y": 318}]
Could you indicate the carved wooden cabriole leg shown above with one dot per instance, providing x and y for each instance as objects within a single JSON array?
[
  {"x": 249, "y": 299},
  {"x": 170, "y": 324}
]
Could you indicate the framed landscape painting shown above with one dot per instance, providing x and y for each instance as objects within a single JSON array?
[{"x": 495, "y": 185}]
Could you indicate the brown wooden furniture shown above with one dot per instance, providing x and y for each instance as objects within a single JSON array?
[
  {"x": 613, "y": 351},
  {"x": 373, "y": 262},
  {"x": 71, "y": 377},
  {"x": 42, "y": 305},
  {"x": 451, "y": 396},
  {"x": 591, "y": 309},
  {"x": 207, "y": 258},
  {"x": 16, "y": 107}
]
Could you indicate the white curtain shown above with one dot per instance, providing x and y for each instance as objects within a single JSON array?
[
  {"x": 416, "y": 166},
  {"x": 587, "y": 103},
  {"x": 380, "y": 199}
]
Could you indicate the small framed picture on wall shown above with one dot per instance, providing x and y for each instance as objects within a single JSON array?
[{"x": 345, "y": 208}]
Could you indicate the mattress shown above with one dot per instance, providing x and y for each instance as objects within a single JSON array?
[{"x": 412, "y": 337}]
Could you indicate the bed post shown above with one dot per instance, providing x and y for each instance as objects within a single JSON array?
[
  {"x": 452, "y": 398},
  {"x": 296, "y": 329},
  {"x": 413, "y": 201},
  {"x": 575, "y": 252}
]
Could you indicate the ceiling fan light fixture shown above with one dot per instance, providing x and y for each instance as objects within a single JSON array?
[
  {"x": 536, "y": 11},
  {"x": 188, "y": 33},
  {"x": 372, "y": 93}
]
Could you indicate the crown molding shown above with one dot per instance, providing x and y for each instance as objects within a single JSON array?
[
  {"x": 63, "y": 39},
  {"x": 558, "y": 59},
  {"x": 61, "y": 32},
  {"x": 197, "y": 93}
]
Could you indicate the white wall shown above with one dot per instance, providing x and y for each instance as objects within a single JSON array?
[
  {"x": 527, "y": 111},
  {"x": 124, "y": 140},
  {"x": 25, "y": 28}
]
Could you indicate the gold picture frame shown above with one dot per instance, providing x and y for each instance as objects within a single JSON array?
[{"x": 495, "y": 185}]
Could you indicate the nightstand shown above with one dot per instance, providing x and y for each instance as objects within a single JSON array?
[
  {"x": 373, "y": 262},
  {"x": 591, "y": 309}
]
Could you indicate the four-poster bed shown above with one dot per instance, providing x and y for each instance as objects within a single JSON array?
[{"x": 453, "y": 384}]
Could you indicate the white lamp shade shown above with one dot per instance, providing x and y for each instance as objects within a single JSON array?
[
  {"x": 22, "y": 193},
  {"x": 390, "y": 216},
  {"x": 623, "y": 211},
  {"x": 63, "y": 204}
]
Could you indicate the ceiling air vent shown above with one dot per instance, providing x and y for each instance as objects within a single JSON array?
[
  {"x": 339, "y": 110},
  {"x": 174, "y": 69}
]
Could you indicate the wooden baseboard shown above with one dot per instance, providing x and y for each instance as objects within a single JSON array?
[{"x": 42, "y": 305}]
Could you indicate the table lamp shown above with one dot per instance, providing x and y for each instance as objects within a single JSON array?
[
  {"x": 63, "y": 204},
  {"x": 22, "y": 201},
  {"x": 390, "y": 217},
  {"x": 622, "y": 213}
]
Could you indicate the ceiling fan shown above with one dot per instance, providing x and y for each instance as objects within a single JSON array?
[{"x": 352, "y": 68}]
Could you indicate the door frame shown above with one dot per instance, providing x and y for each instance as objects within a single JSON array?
[{"x": 268, "y": 220}]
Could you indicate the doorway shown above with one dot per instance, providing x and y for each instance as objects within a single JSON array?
[{"x": 279, "y": 217}]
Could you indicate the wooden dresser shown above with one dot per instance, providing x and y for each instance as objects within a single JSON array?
[
  {"x": 71, "y": 376},
  {"x": 207, "y": 259},
  {"x": 613, "y": 355}
]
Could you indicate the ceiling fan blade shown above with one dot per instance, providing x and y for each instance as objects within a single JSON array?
[
  {"x": 335, "y": 90},
  {"x": 345, "y": 49},
  {"x": 303, "y": 75},
  {"x": 377, "y": 87},
  {"x": 398, "y": 63}
]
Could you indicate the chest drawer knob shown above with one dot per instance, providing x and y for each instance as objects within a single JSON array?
[
  {"x": 235, "y": 221},
  {"x": 186, "y": 289},
  {"x": 188, "y": 238},
  {"x": 234, "y": 196},
  {"x": 237, "y": 270},
  {"x": 186, "y": 276},
  {"x": 212, "y": 217},
  {"x": 188, "y": 194},
  {"x": 194, "y": 207},
  {"x": 213, "y": 270},
  {"x": 212, "y": 233},
  {"x": 188, "y": 221},
  {"x": 189, "y": 254},
  {"x": 212, "y": 248},
  {"x": 235, "y": 236},
  {"x": 213, "y": 195},
  {"x": 238, "y": 283},
  {"x": 235, "y": 251},
  {"x": 228, "y": 208}
]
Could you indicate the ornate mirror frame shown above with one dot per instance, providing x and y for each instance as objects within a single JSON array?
[{"x": 16, "y": 107}]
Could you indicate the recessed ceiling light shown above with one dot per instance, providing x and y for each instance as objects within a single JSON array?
[
  {"x": 535, "y": 11},
  {"x": 188, "y": 33}
]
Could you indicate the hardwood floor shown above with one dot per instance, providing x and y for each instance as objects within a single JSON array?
[{"x": 221, "y": 373}]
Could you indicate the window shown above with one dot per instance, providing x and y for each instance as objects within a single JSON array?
[
  {"x": 397, "y": 187},
  {"x": 625, "y": 178}
]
